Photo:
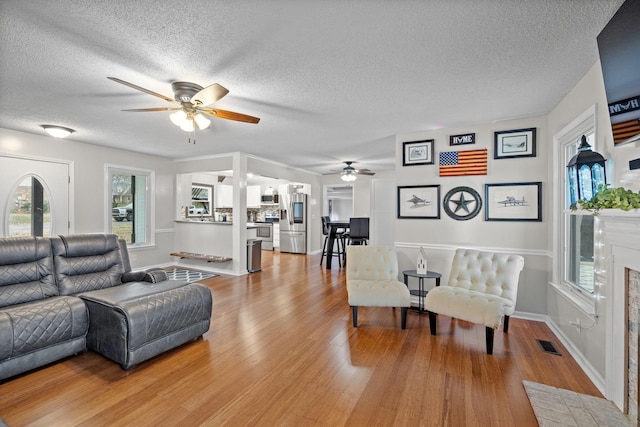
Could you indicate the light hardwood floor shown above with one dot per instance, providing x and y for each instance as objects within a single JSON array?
[{"x": 281, "y": 351}]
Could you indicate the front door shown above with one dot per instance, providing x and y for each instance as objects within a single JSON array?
[{"x": 34, "y": 197}]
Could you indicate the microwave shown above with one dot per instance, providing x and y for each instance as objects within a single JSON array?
[{"x": 269, "y": 199}]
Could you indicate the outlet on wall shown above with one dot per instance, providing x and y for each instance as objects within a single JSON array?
[
  {"x": 576, "y": 324},
  {"x": 134, "y": 257}
]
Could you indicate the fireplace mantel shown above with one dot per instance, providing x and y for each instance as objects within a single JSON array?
[{"x": 619, "y": 240}]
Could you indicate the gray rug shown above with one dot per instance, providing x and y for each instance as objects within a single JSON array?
[
  {"x": 559, "y": 407},
  {"x": 176, "y": 273}
]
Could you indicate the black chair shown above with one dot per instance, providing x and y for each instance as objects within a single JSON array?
[
  {"x": 358, "y": 231},
  {"x": 339, "y": 242}
]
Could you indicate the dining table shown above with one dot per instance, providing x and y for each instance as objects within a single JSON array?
[{"x": 334, "y": 226}]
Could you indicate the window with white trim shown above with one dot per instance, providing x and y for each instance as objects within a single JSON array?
[
  {"x": 579, "y": 237},
  {"x": 129, "y": 207},
  {"x": 576, "y": 228}
]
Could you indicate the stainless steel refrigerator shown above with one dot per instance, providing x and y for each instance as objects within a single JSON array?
[{"x": 293, "y": 223}]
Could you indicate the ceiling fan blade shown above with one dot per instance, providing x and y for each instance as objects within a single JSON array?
[
  {"x": 141, "y": 89},
  {"x": 209, "y": 95},
  {"x": 365, "y": 172},
  {"x": 229, "y": 115},
  {"x": 154, "y": 109}
]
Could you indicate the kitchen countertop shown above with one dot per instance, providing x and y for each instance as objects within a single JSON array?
[
  {"x": 186, "y": 221},
  {"x": 250, "y": 225}
]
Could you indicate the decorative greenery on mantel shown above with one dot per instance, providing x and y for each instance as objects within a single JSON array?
[{"x": 610, "y": 198}]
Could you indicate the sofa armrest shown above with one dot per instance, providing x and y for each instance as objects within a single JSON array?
[
  {"x": 152, "y": 275},
  {"x": 155, "y": 275},
  {"x": 133, "y": 276}
]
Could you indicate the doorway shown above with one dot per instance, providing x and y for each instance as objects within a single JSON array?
[
  {"x": 34, "y": 197},
  {"x": 338, "y": 202}
]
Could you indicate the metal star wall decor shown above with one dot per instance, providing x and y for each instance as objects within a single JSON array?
[{"x": 462, "y": 203}]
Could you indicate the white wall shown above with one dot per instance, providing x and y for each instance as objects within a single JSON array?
[
  {"x": 88, "y": 186},
  {"x": 441, "y": 236},
  {"x": 589, "y": 342},
  {"x": 88, "y": 166}
]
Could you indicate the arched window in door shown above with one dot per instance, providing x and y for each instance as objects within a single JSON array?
[{"x": 29, "y": 209}]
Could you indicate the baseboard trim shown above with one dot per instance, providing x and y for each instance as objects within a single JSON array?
[
  {"x": 582, "y": 361},
  {"x": 588, "y": 369}
]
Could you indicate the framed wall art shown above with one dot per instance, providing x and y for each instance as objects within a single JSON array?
[
  {"x": 513, "y": 202},
  {"x": 417, "y": 153},
  {"x": 419, "y": 201},
  {"x": 515, "y": 143},
  {"x": 462, "y": 203}
]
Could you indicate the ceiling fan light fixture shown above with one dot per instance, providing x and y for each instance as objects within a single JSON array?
[
  {"x": 349, "y": 176},
  {"x": 202, "y": 121},
  {"x": 57, "y": 131},
  {"x": 187, "y": 126},
  {"x": 178, "y": 118}
]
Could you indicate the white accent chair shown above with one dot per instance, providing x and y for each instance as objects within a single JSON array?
[
  {"x": 482, "y": 288},
  {"x": 372, "y": 280}
]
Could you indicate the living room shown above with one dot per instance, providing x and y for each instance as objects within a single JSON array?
[{"x": 541, "y": 298}]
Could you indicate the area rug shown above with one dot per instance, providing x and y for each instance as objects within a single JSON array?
[
  {"x": 189, "y": 275},
  {"x": 559, "y": 407}
]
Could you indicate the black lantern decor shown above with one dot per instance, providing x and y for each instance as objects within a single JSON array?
[{"x": 585, "y": 173}]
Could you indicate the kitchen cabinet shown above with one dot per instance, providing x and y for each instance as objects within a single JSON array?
[
  {"x": 200, "y": 201},
  {"x": 253, "y": 196},
  {"x": 224, "y": 196}
]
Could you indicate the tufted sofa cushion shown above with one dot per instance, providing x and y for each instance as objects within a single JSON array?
[
  {"x": 86, "y": 262},
  {"x": 26, "y": 270}
]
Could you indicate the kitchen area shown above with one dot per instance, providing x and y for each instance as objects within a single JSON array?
[{"x": 212, "y": 220}]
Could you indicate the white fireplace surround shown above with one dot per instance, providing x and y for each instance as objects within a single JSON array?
[{"x": 621, "y": 251}]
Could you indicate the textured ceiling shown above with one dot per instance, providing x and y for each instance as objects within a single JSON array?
[{"x": 330, "y": 80}]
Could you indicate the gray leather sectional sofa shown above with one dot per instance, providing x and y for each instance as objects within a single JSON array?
[{"x": 62, "y": 295}]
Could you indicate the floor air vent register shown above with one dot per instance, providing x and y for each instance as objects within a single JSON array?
[{"x": 548, "y": 347}]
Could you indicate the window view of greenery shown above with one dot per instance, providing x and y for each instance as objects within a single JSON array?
[
  {"x": 129, "y": 205},
  {"x": 30, "y": 214}
]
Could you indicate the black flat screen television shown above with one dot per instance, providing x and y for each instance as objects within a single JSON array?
[{"x": 619, "y": 48}]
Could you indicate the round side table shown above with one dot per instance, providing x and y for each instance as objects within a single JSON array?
[{"x": 420, "y": 293}]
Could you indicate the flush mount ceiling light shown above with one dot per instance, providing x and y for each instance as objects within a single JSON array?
[{"x": 57, "y": 131}]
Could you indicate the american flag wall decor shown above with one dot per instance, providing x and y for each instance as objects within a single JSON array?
[{"x": 468, "y": 162}]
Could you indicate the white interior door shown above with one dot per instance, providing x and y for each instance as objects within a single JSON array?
[{"x": 53, "y": 175}]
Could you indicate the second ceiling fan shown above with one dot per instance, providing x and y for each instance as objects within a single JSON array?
[
  {"x": 348, "y": 173},
  {"x": 192, "y": 104}
]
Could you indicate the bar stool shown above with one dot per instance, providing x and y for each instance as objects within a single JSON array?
[
  {"x": 339, "y": 242},
  {"x": 358, "y": 231}
]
